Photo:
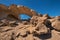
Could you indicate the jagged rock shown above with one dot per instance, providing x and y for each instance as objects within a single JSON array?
[
  {"x": 13, "y": 23},
  {"x": 42, "y": 29},
  {"x": 56, "y": 25},
  {"x": 46, "y": 15},
  {"x": 20, "y": 32},
  {"x": 41, "y": 19},
  {"x": 5, "y": 22},
  {"x": 34, "y": 20},
  {"x": 5, "y": 29},
  {"x": 52, "y": 20},
  {"x": 36, "y": 28},
  {"x": 31, "y": 28},
  {"x": 6, "y": 35},
  {"x": 57, "y": 17},
  {"x": 40, "y": 15}
]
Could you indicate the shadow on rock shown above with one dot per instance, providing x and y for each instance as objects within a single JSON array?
[
  {"x": 13, "y": 24},
  {"x": 43, "y": 36}
]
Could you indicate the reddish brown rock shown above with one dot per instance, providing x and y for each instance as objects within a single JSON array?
[{"x": 16, "y": 11}]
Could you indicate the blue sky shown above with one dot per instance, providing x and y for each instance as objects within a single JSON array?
[{"x": 51, "y": 7}]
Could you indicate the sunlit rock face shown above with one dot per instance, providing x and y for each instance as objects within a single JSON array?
[
  {"x": 56, "y": 25},
  {"x": 38, "y": 27},
  {"x": 21, "y": 10},
  {"x": 16, "y": 10}
]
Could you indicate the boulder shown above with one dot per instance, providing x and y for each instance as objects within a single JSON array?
[
  {"x": 41, "y": 29},
  {"x": 56, "y": 25}
]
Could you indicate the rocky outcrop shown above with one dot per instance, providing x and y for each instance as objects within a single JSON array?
[
  {"x": 56, "y": 25},
  {"x": 41, "y": 27},
  {"x": 16, "y": 10}
]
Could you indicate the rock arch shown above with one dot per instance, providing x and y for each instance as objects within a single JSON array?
[
  {"x": 17, "y": 10},
  {"x": 3, "y": 11}
]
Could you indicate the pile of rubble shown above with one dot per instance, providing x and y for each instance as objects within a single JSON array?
[{"x": 41, "y": 27}]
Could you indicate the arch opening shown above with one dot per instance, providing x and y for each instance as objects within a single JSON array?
[{"x": 24, "y": 17}]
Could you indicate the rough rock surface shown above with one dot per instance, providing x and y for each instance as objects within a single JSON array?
[
  {"x": 39, "y": 27},
  {"x": 56, "y": 25},
  {"x": 15, "y": 10}
]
